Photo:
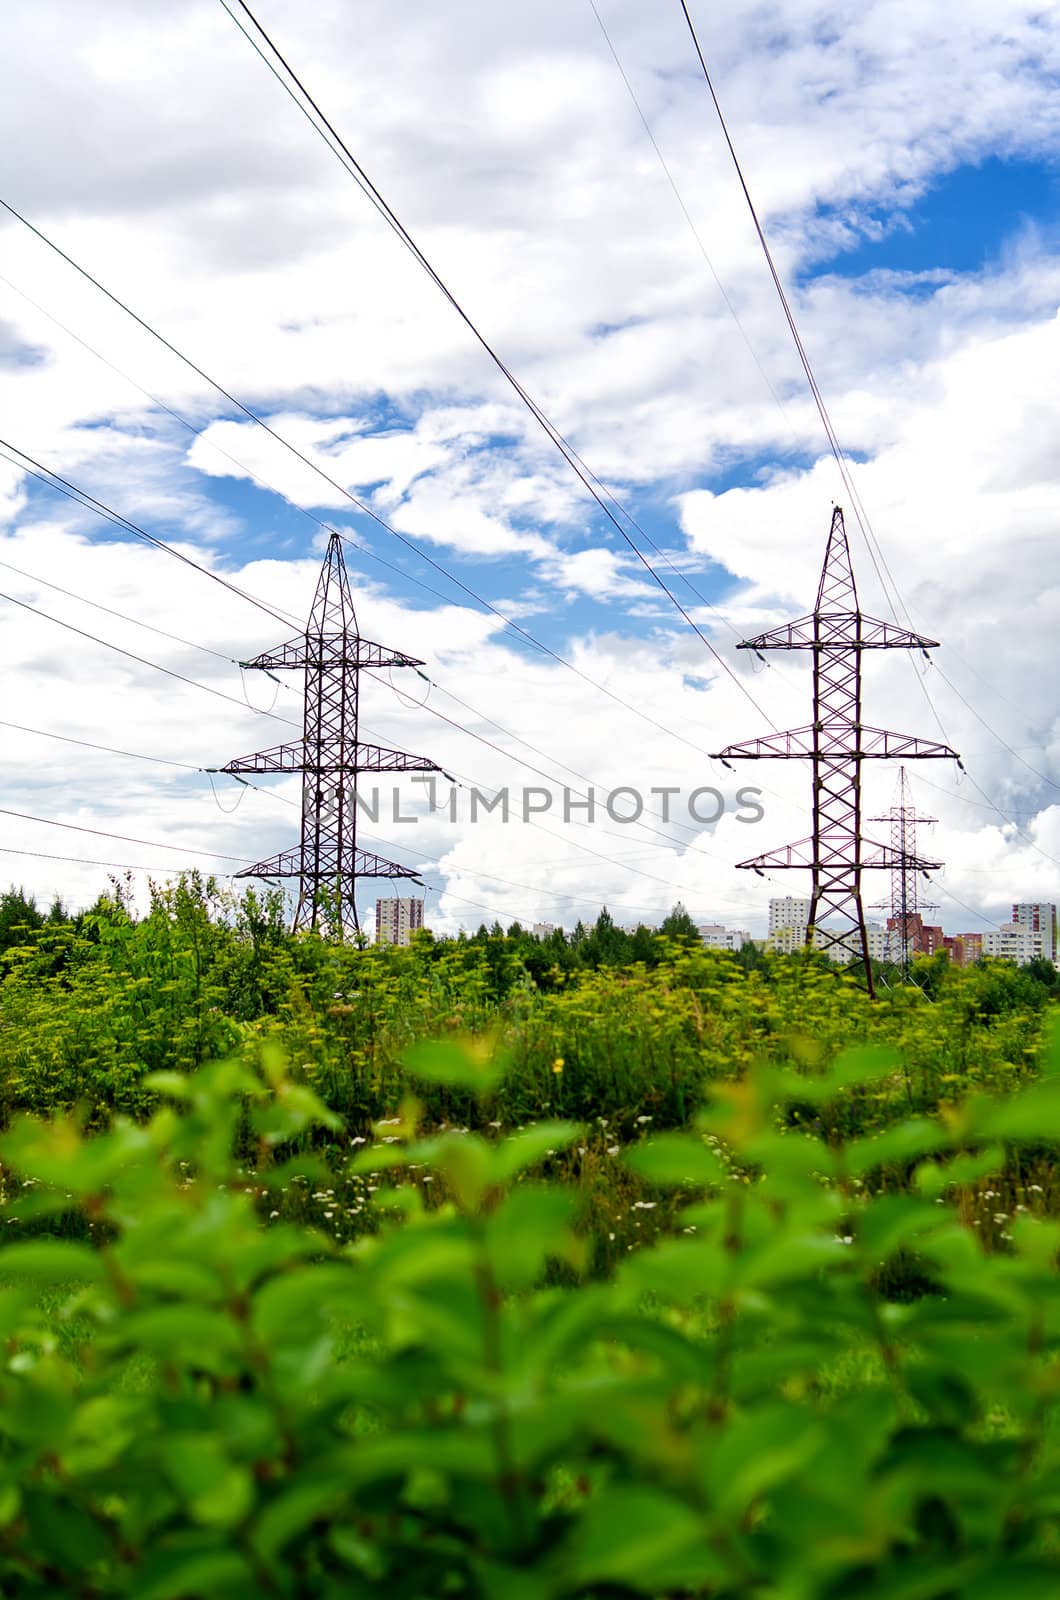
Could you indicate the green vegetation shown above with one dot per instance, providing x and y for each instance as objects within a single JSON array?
[{"x": 505, "y": 1268}]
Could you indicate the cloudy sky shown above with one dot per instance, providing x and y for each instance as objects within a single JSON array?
[{"x": 907, "y": 174}]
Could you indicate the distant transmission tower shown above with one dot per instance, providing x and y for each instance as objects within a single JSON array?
[
  {"x": 905, "y": 904},
  {"x": 837, "y": 742},
  {"x": 330, "y": 756}
]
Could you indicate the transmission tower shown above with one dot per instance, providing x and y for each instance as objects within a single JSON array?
[
  {"x": 837, "y": 742},
  {"x": 330, "y": 756},
  {"x": 905, "y": 904}
]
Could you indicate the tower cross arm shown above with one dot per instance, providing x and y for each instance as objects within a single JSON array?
[
  {"x": 884, "y": 745},
  {"x": 805, "y": 856},
  {"x": 377, "y": 758},
  {"x": 898, "y": 861},
  {"x": 836, "y": 739},
  {"x": 838, "y": 630},
  {"x": 797, "y": 742},
  {"x": 288, "y": 864},
  {"x": 355, "y": 758},
  {"x": 335, "y": 650}
]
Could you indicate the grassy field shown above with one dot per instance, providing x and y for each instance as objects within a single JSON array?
[{"x": 489, "y": 1268}]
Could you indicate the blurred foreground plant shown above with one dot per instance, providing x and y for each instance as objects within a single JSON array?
[{"x": 197, "y": 1405}]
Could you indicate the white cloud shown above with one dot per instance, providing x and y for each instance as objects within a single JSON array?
[{"x": 507, "y": 142}]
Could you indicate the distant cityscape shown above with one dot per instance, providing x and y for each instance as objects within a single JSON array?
[{"x": 1030, "y": 935}]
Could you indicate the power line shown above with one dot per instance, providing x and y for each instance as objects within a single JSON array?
[
  {"x": 283, "y": 799},
  {"x": 144, "y": 662},
  {"x": 697, "y": 236},
  {"x": 481, "y": 738},
  {"x": 102, "y": 509},
  {"x": 366, "y": 509},
  {"x": 972, "y": 910},
  {"x": 804, "y": 359},
  {"x": 200, "y": 432},
  {"x": 993, "y": 731},
  {"x": 53, "y": 480},
  {"x": 126, "y": 838},
  {"x": 87, "y": 744},
  {"x": 86, "y": 861},
  {"x": 433, "y": 711},
  {"x": 871, "y": 542},
  {"x": 175, "y": 638},
  {"x": 344, "y": 155},
  {"x": 61, "y": 485},
  {"x": 961, "y": 799}
]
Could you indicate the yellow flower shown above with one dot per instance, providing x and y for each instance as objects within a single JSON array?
[{"x": 557, "y": 1065}]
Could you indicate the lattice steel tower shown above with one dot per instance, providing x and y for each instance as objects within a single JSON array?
[
  {"x": 330, "y": 756},
  {"x": 837, "y": 742},
  {"x": 905, "y": 904}
]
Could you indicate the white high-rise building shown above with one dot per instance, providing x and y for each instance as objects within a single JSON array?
[
  {"x": 1018, "y": 942},
  {"x": 1040, "y": 917},
  {"x": 396, "y": 920},
  {"x": 717, "y": 937},
  {"x": 885, "y": 944},
  {"x": 787, "y": 934},
  {"x": 788, "y": 917},
  {"x": 787, "y": 913}
]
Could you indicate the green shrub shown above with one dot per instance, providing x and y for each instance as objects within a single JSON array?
[{"x": 196, "y": 1402}]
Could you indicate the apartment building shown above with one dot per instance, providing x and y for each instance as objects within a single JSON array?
[{"x": 397, "y": 919}]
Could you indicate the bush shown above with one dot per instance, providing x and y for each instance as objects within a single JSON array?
[{"x": 197, "y": 1402}]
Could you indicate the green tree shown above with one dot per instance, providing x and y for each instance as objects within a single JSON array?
[
  {"x": 19, "y": 916},
  {"x": 679, "y": 925}
]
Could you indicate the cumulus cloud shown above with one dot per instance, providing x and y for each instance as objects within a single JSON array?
[{"x": 508, "y": 144}]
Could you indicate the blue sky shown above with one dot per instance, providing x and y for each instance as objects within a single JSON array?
[
  {"x": 908, "y": 180},
  {"x": 962, "y": 223}
]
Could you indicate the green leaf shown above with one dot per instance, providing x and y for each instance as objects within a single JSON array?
[
  {"x": 1050, "y": 1062},
  {"x": 464, "y": 1160},
  {"x": 182, "y": 1570},
  {"x": 363, "y": 1555},
  {"x": 909, "y": 1140},
  {"x": 380, "y": 1158},
  {"x": 289, "y": 1308},
  {"x": 863, "y": 1063},
  {"x": 892, "y": 1221},
  {"x": 315, "y": 1495},
  {"x": 313, "y": 1168},
  {"x": 169, "y": 1275},
  {"x": 461, "y": 1064},
  {"x": 173, "y": 1085},
  {"x": 785, "y": 1258},
  {"x": 852, "y": 1068},
  {"x": 51, "y": 1261},
  {"x": 932, "y": 1177},
  {"x": 1033, "y": 1116},
  {"x": 1037, "y": 1239},
  {"x": 640, "y": 1538},
  {"x": 57, "y": 1153},
  {"x": 1014, "y": 1580},
  {"x": 62, "y": 1533},
  {"x": 672, "y": 1159},
  {"x": 761, "y": 1449},
  {"x": 944, "y": 1395},
  {"x": 183, "y": 1335},
  {"x": 218, "y": 1492},
  {"x": 681, "y": 1271},
  {"x": 531, "y": 1224},
  {"x": 523, "y": 1150},
  {"x": 798, "y": 1159},
  {"x": 294, "y": 1109}
]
